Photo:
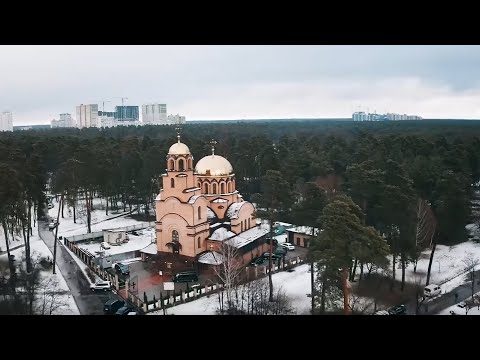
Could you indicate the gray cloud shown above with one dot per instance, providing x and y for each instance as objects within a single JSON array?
[{"x": 211, "y": 82}]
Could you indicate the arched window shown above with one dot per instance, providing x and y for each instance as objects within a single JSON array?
[
  {"x": 205, "y": 191},
  {"x": 198, "y": 242},
  {"x": 199, "y": 185},
  {"x": 199, "y": 212},
  {"x": 229, "y": 187},
  {"x": 172, "y": 182},
  {"x": 190, "y": 165},
  {"x": 171, "y": 164},
  {"x": 249, "y": 223},
  {"x": 241, "y": 226},
  {"x": 181, "y": 165},
  {"x": 222, "y": 188},
  {"x": 214, "y": 188}
]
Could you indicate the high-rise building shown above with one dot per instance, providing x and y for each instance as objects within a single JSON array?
[
  {"x": 176, "y": 119},
  {"x": 154, "y": 114},
  {"x": 126, "y": 113},
  {"x": 87, "y": 115},
  {"x": 65, "y": 121},
  {"x": 6, "y": 121}
]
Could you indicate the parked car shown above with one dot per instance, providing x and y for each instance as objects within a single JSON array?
[
  {"x": 287, "y": 245},
  {"x": 257, "y": 261},
  {"x": 112, "y": 305},
  {"x": 185, "y": 276},
  {"x": 461, "y": 305},
  {"x": 281, "y": 251},
  {"x": 52, "y": 225},
  {"x": 124, "y": 310},
  {"x": 122, "y": 269},
  {"x": 432, "y": 290},
  {"x": 104, "y": 245},
  {"x": 101, "y": 285},
  {"x": 382, "y": 312},
  {"x": 266, "y": 255},
  {"x": 398, "y": 310},
  {"x": 50, "y": 206}
]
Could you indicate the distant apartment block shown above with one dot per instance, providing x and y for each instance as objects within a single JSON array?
[
  {"x": 154, "y": 114},
  {"x": 106, "y": 119},
  {"x": 127, "y": 113},
  {"x": 6, "y": 121},
  {"x": 362, "y": 116},
  {"x": 87, "y": 115},
  {"x": 176, "y": 119},
  {"x": 65, "y": 120}
]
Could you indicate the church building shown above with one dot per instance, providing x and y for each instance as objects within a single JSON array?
[{"x": 199, "y": 208}]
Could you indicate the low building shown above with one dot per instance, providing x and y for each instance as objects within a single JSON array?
[{"x": 301, "y": 235}]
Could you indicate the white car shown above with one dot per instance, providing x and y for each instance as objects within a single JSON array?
[
  {"x": 105, "y": 245},
  {"x": 101, "y": 285},
  {"x": 287, "y": 245},
  {"x": 52, "y": 225}
]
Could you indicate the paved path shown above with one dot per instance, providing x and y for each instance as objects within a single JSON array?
[{"x": 88, "y": 302}]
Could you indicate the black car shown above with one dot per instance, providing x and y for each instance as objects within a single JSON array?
[
  {"x": 122, "y": 269},
  {"x": 185, "y": 276},
  {"x": 398, "y": 310},
  {"x": 266, "y": 255},
  {"x": 275, "y": 241},
  {"x": 124, "y": 310},
  {"x": 257, "y": 261},
  {"x": 112, "y": 306}
]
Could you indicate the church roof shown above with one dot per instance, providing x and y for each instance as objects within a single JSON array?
[
  {"x": 193, "y": 199},
  {"x": 213, "y": 165},
  {"x": 221, "y": 234},
  {"x": 248, "y": 236},
  {"x": 211, "y": 258},
  {"x": 234, "y": 209},
  {"x": 179, "y": 149}
]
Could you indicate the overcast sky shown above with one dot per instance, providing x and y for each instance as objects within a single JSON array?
[{"x": 37, "y": 83}]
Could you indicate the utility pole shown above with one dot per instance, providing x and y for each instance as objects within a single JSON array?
[{"x": 56, "y": 233}]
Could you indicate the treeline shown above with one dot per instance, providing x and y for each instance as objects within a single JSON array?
[{"x": 386, "y": 168}]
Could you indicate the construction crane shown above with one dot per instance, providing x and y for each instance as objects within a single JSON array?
[
  {"x": 103, "y": 105},
  {"x": 123, "y": 110}
]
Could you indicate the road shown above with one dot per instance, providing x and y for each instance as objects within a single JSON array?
[
  {"x": 88, "y": 302},
  {"x": 444, "y": 301}
]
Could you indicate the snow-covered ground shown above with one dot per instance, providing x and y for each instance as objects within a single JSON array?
[
  {"x": 448, "y": 262},
  {"x": 99, "y": 221},
  {"x": 296, "y": 286},
  {"x": 38, "y": 248},
  {"x": 460, "y": 310},
  {"x": 134, "y": 243}
]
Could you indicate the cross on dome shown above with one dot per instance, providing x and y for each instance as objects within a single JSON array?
[
  {"x": 178, "y": 129},
  {"x": 213, "y": 143}
]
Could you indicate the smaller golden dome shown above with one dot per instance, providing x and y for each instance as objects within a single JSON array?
[{"x": 179, "y": 149}]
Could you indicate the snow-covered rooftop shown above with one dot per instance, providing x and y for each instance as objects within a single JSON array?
[
  {"x": 192, "y": 189},
  {"x": 307, "y": 230},
  {"x": 221, "y": 234},
  {"x": 150, "y": 249},
  {"x": 193, "y": 198},
  {"x": 210, "y": 214},
  {"x": 134, "y": 243},
  {"x": 220, "y": 201},
  {"x": 248, "y": 236},
  {"x": 234, "y": 209},
  {"x": 211, "y": 258}
]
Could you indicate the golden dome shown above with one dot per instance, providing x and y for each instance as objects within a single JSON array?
[
  {"x": 179, "y": 149},
  {"x": 213, "y": 165}
]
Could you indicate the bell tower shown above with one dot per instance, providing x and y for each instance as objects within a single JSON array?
[{"x": 179, "y": 178}]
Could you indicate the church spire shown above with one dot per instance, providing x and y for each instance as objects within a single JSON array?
[
  {"x": 213, "y": 143},
  {"x": 178, "y": 129}
]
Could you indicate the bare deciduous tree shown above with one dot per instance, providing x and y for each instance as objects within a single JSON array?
[
  {"x": 425, "y": 229},
  {"x": 50, "y": 297},
  {"x": 361, "y": 305},
  {"x": 229, "y": 270},
  {"x": 471, "y": 262}
]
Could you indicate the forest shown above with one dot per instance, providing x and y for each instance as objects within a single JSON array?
[{"x": 385, "y": 179}]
